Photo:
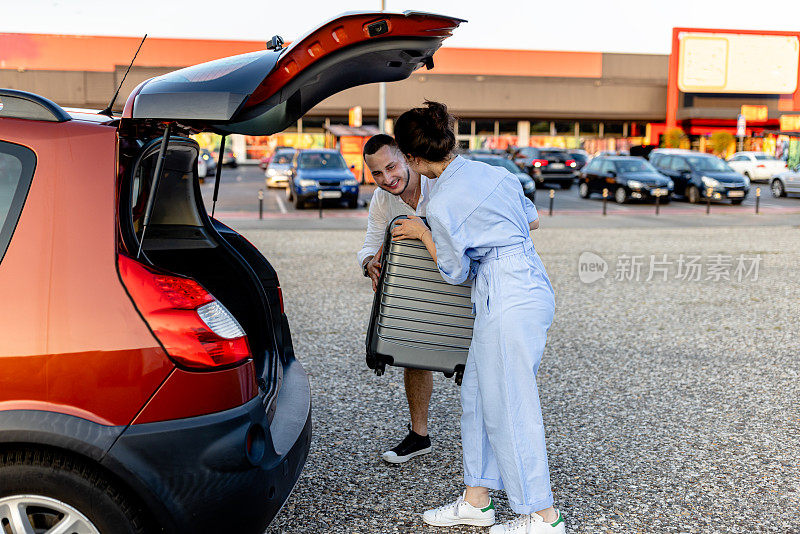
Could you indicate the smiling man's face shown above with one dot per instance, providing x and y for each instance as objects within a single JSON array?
[{"x": 389, "y": 169}]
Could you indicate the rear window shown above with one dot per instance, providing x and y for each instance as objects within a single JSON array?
[
  {"x": 16, "y": 172},
  {"x": 765, "y": 157}
]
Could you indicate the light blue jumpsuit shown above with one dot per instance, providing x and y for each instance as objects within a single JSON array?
[{"x": 479, "y": 222}]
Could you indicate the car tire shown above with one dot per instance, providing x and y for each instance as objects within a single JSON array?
[
  {"x": 352, "y": 203},
  {"x": 566, "y": 186},
  {"x": 693, "y": 194},
  {"x": 620, "y": 195},
  {"x": 583, "y": 190},
  {"x": 749, "y": 178},
  {"x": 777, "y": 189},
  {"x": 58, "y": 484},
  {"x": 298, "y": 204}
]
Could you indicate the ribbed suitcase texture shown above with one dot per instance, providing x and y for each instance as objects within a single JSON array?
[{"x": 418, "y": 320}]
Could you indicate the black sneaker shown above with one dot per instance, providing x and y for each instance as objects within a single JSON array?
[{"x": 412, "y": 445}]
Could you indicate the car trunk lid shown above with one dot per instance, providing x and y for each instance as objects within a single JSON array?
[{"x": 263, "y": 92}]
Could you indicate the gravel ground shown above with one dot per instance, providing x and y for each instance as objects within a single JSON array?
[{"x": 670, "y": 406}]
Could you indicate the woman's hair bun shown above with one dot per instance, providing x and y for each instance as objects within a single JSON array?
[
  {"x": 426, "y": 132},
  {"x": 437, "y": 113}
]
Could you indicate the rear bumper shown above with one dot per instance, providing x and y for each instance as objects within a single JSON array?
[
  {"x": 556, "y": 177},
  {"x": 196, "y": 474}
]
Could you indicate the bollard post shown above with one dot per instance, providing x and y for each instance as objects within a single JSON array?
[
  {"x": 758, "y": 198},
  {"x": 552, "y": 196},
  {"x": 605, "y": 199},
  {"x": 319, "y": 201},
  {"x": 260, "y": 204},
  {"x": 658, "y": 201},
  {"x": 709, "y": 192}
]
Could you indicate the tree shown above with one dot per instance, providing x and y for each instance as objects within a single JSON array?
[
  {"x": 673, "y": 138},
  {"x": 721, "y": 142}
]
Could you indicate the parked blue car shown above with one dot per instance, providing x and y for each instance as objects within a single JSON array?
[{"x": 319, "y": 175}]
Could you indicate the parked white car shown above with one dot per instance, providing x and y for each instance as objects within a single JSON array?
[
  {"x": 757, "y": 166},
  {"x": 786, "y": 182}
]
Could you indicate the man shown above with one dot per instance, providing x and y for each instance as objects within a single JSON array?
[{"x": 400, "y": 191}]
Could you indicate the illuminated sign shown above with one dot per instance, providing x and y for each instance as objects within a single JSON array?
[
  {"x": 755, "y": 113},
  {"x": 355, "y": 116},
  {"x": 790, "y": 123},
  {"x": 737, "y": 63}
]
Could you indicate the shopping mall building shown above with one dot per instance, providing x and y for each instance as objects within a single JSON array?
[{"x": 521, "y": 97}]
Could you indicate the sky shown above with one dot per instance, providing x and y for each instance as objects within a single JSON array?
[{"x": 642, "y": 26}]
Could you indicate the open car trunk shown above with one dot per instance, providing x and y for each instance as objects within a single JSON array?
[
  {"x": 182, "y": 239},
  {"x": 263, "y": 92}
]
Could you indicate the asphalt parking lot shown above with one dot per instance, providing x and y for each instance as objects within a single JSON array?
[
  {"x": 670, "y": 405},
  {"x": 238, "y": 198}
]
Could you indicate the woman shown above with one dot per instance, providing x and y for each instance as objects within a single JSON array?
[{"x": 479, "y": 229}]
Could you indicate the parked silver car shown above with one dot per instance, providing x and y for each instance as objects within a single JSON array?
[
  {"x": 786, "y": 182},
  {"x": 757, "y": 166},
  {"x": 277, "y": 173}
]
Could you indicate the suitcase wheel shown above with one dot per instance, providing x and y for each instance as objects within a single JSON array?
[
  {"x": 459, "y": 377},
  {"x": 448, "y": 374},
  {"x": 380, "y": 368}
]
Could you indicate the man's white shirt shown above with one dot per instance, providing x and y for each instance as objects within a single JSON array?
[{"x": 382, "y": 209}]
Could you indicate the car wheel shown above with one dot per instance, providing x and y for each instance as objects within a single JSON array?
[
  {"x": 298, "y": 204},
  {"x": 45, "y": 491},
  {"x": 777, "y": 189},
  {"x": 352, "y": 203},
  {"x": 566, "y": 185},
  {"x": 693, "y": 194},
  {"x": 747, "y": 175},
  {"x": 583, "y": 190},
  {"x": 620, "y": 195}
]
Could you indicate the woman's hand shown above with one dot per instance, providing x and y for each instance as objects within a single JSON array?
[{"x": 411, "y": 228}]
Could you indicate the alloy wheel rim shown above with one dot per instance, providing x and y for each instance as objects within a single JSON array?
[
  {"x": 620, "y": 195},
  {"x": 584, "y": 190},
  {"x": 776, "y": 188},
  {"x": 37, "y": 514}
]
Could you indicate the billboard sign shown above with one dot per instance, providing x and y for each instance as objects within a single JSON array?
[
  {"x": 755, "y": 113},
  {"x": 738, "y": 63}
]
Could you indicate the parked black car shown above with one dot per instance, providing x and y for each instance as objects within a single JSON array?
[
  {"x": 698, "y": 175},
  {"x": 625, "y": 177},
  {"x": 580, "y": 156},
  {"x": 551, "y": 165}
]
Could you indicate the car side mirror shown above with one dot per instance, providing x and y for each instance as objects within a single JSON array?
[{"x": 612, "y": 174}]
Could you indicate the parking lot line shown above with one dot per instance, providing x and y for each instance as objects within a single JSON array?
[{"x": 281, "y": 204}]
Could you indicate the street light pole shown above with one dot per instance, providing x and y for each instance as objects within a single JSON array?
[{"x": 382, "y": 94}]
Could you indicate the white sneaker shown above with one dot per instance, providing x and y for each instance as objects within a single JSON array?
[
  {"x": 460, "y": 513},
  {"x": 531, "y": 524}
]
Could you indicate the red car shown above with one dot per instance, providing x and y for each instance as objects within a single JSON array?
[{"x": 147, "y": 377}]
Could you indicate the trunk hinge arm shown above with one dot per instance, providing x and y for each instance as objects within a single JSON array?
[
  {"x": 157, "y": 174},
  {"x": 218, "y": 174}
]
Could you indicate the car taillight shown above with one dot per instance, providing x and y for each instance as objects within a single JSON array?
[
  {"x": 760, "y": 166},
  {"x": 196, "y": 330},
  {"x": 280, "y": 298},
  {"x": 570, "y": 163},
  {"x": 540, "y": 163}
]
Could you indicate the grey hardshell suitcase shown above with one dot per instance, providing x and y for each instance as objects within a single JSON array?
[{"x": 418, "y": 320}]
